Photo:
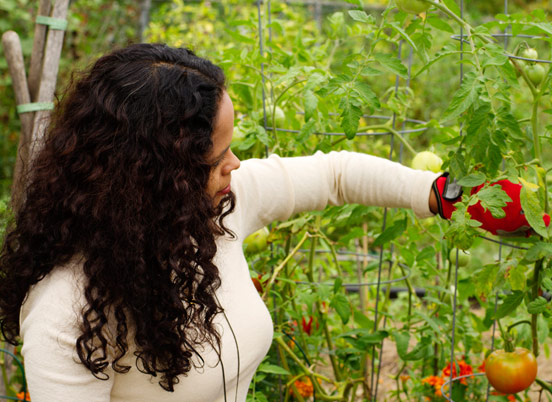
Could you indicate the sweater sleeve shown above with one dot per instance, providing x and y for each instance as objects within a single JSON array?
[
  {"x": 277, "y": 188},
  {"x": 49, "y": 331}
]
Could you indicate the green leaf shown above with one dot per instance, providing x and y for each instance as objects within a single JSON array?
[
  {"x": 494, "y": 199},
  {"x": 537, "y": 251},
  {"x": 430, "y": 321},
  {"x": 361, "y": 16},
  {"x": 392, "y": 64},
  {"x": 439, "y": 23},
  {"x": 516, "y": 276},
  {"x": 368, "y": 96},
  {"x": 451, "y": 4},
  {"x": 391, "y": 233},
  {"x": 485, "y": 279},
  {"x": 404, "y": 35},
  {"x": 506, "y": 121},
  {"x": 510, "y": 303},
  {"x": 273, "y": 369},
  {"x": 532, "y": 209},
  {"x": 473, "y": 180},
  {"x": 311, "y": 104},
  {"x": 341, "y": 305},
  {"x": 350, "y": 116},
  {"x": 464, "y": 97},
  {"x": 362, "y": 320},
  {"x": 401, "y": 340},
  {"x": 547, "y": 284},
  {"x": 422, "y": 349},
  {"x": 537, "y": 306}
]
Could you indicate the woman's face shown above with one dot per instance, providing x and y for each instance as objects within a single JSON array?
[{"x": 221, "y": 157}]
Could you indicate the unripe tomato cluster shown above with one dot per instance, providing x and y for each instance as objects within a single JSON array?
[{"x": 534, "y": 71}]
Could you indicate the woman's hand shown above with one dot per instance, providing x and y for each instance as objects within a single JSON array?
[{"x": 446, "y": 193}]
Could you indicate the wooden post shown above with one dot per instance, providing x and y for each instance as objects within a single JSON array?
[
  {"x": 48, "y": 76},
  {"x": 38, "y": 50},
  {"x": 16, "y": 64}
]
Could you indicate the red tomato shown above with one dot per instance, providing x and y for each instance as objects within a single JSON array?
[{"x": 511, "y": 372}]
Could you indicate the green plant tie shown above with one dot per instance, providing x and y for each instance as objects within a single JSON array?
[
  {"x": 54, "y": 23},
  {"x": 34, "y": 107}
]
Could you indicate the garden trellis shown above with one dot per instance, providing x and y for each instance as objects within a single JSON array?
[{"x": 377, "y": 354}]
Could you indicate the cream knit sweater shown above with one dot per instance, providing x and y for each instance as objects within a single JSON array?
[{"x": 266, "y": 190}]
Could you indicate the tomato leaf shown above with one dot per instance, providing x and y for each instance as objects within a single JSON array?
[
  {"x": 273, "y": 369},
  {"x": 472, "y": 180},
  {"x": 391, "y": 233},
  {"x": 311, "y": 104},
  {"x": 423, "y": 348},
  {"x": 464, "y": 97},
  {"x": 366, "y": 94},
  {"x": 537, "y": 251},
  {"x": 532, "y": 208},
  {"x": 494, "y": 199},
  {"x": 516, "y": 276},
  {"x": 451, "y": 4},
  {"x": 439, "y": 23},
  {"x": 341, "y": 305},
  {"x": 547, "y": 284},
  {"x": 510, "y": 303},
  {"x": 537, "y": 306},
  {"x": 361, "y": 16},
  {"x": 391, "y": 64},
  {"x": 350, "y": 116}
]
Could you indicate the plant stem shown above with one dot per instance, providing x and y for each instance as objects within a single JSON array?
[
  {"x": 283, "y": 264},
  {"x": 296, "y": 393},
  {"x": 534, "y": 317}
]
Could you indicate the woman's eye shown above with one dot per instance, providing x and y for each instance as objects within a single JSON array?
[{"x": 218, "y": 162}]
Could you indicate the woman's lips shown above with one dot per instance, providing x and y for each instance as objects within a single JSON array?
[{"x": 225, "y": 190}]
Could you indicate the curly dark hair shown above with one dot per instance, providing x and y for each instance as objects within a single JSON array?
[{"x": 121, "y": 181}]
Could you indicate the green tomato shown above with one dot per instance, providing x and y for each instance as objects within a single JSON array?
[
  {"x": 257, "y": 241},
  {"x": 427, "y": 161},
  {"x": 412, "y": 6},
  {"x": 279, "y": 116},
  {"x": 530, "y": 53},
  {"x": 535, "y": 73},
  {"x": 463, "y": 258}
]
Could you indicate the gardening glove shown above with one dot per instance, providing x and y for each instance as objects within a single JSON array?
[{"x": 515, "y": 223}]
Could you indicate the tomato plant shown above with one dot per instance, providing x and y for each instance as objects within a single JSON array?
[
  {"x": 341, "y": 83},
  {"x": 511, "y": 372}
]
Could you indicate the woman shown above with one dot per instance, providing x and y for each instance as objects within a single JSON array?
[{"x": 124, "y": 275}]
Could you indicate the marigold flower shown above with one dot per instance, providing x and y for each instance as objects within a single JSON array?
[
  {"x": 465, "y": 369},
  {"x": 435, "y": 382},
  {"x": 23, "y": 396},
  {"x": 304, "y": 387}
]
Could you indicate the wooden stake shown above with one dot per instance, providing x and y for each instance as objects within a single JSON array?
[
  {"x": 48, "y": 76},
  {"x": 16, "y": 65},
  {"x": 38, "y": 50}
]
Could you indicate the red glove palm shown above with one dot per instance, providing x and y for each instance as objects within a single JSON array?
[{"x": 513, "y": 224}]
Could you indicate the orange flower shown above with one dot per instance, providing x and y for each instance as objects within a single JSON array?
[
  {"x": 23, "y": 396},
  {"x": 304, "y": 387},
  {"x": 481, "y": 368},
  {"x": 465, "y": 369},
  {"x": 509, "y": 397},
  {"x": 435, "y": 382}
]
